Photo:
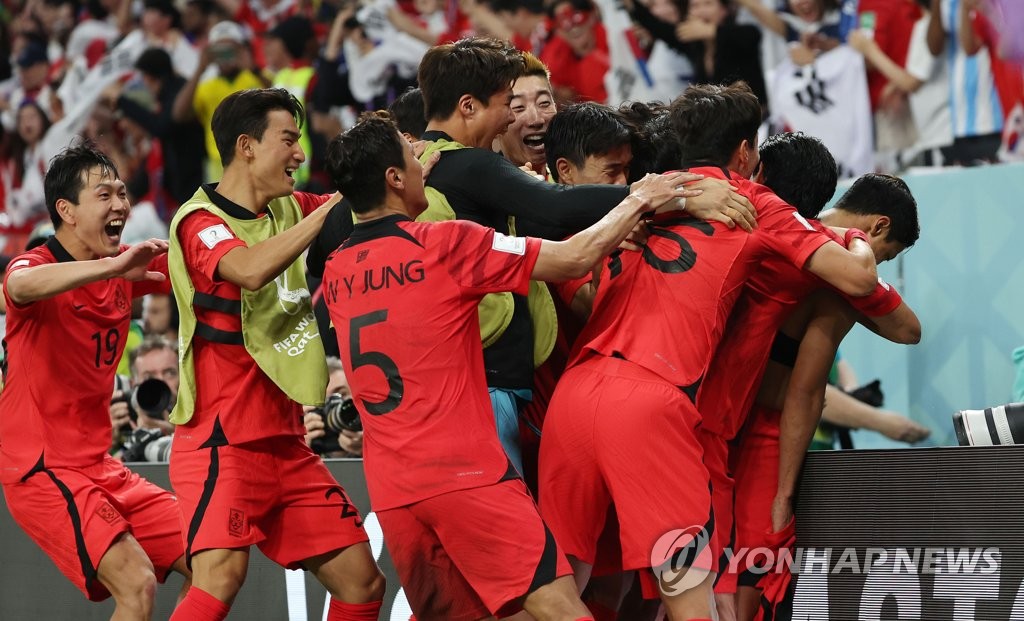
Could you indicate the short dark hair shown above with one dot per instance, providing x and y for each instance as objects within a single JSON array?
[
  {"x": 407, "y": 112},
  {"x": 800, "y": 170},
  {"x": 885, "y": 195},
  {"x": 475, "y": 66},
  {"x": 65, "y": 178},
  {"x": 245, "y": 113},
  {"x": 581, "y": 130},
  {"x": 511, "y": 6},
  {"x": 156, "y": 63},
  {"x": 712, "y": 121},
  {"x": 358, "y": 158},
  {"x": 655, "y": 144}
]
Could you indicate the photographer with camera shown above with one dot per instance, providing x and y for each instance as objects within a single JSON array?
[
  {"x": 335, "y": 430},
  {"x": 139, "y": 413}
]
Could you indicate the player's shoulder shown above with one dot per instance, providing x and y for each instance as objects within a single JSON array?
[{"x": 39, "y": 255}]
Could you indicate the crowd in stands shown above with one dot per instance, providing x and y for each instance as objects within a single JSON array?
[{"x": 884, "y": 83}]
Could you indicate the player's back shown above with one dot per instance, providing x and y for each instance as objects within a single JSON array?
[
  {"x": 403, "y": 298},
  {"x": 772, "y": 292}
]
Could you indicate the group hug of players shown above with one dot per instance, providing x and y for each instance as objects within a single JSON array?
[{"x": 691, "y": 359}]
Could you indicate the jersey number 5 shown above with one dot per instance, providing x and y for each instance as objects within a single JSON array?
[{"x": 396, "y": 387}]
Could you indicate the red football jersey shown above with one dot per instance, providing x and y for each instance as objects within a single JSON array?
[
  {"x": 403, "y": 297},
  {"x": 771, "y": 294},
  {"x": 665, "y": 308},
  {"x": 230, "y": 386},
  {"x": 61, "y": 357}
]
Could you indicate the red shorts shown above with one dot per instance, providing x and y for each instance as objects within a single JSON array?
[
  {"x": 274, "y": 493},
  {"x": 716, "y": 459},
  {"x": 76, "y": 514},
  {"x": 471, "y": 553},
  {"x": 757, "y": 480},
  {"x": 615, "y": 433}
]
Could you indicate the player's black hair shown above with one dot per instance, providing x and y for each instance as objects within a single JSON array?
[
  {"x": 581, "y": 130},
  {"x": 800, "y": 170},
  {"x": 475, "y": 66},
  {"x": 655, "y": 144},
  {"x": 885, "y": 195},
  {"x": 358, "y": 158},
  {"x": 712, "y": 121},
  {"x": 407, "y": 113},
  {"x": 246, "y": 113},
  {"x": 67, "y": 174}
]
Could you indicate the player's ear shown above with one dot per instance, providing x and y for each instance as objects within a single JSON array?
[
  {"x": 243, "y": 145},
  {"x": 881, "y": 227},
  {"x": 466, "y": 105},
  {"x": 65, "y": 211},
  {"x": 565, "y": 171},
  {"x": 395, "y": 177}
]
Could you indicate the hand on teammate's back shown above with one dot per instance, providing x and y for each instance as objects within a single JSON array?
[
  {"x": 658, "y": 190},
  {"x": 720, "y": 202}
]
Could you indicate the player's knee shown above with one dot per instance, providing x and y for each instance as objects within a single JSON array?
[
  {"x": 134, "y": 588},
  {"x": 367, "y": 586}
]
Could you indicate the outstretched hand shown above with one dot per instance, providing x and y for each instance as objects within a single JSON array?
[{"x": 133, "y": 264}]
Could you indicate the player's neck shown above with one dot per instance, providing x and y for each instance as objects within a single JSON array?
[
  {"x": 73, "y": 245},
  {"x": 385, "y": 209},
  {"x": 237, "y": 187},
  {"x": 459, "y": 131}
]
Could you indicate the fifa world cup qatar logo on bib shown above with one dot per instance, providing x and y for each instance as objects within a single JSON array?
[{"x": 681, "y": 559}]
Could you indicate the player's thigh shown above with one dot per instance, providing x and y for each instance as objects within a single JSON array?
[
  {"x": 153, "y": 514},
  {"x": 433, "y": 585}
]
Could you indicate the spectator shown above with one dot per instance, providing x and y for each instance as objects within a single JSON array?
[
  {"x": 198, "y": 18},
  {"x": 160, "y": 27},
  {"x": 974, "y": 104},
  {"x": 180, "y": 142},
  {"x": 924, "y": 81},
  {"x": 160, "y": 316},
  {"x": 32, "y": 82},
  {"x": 977, "y": 33},
  {"x": 670, "y": 70},
  {"x": 155, "y": 358},
  {"x": 526, "y": 25},
  {"x": 289, "y": 49},
  {"x": 343, "y": 443},
  {"x": 229, "y": 52},
  {"x": 577, "y": 55},
  {"x": 720, "y": 50},
  {"x": 22, "y": 177}
]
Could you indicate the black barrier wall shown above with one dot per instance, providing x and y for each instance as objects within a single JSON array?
[{"x": 919, "y": 534}]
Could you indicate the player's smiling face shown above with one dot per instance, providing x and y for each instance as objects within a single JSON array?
[
  {"x": 497, "y": 115},
  {"x": 98, "y": 218},
  {"x": 277, "y": 156},
  {"x": 533, "y": 107}
]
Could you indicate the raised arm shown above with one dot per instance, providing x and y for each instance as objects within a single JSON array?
[
  {"x": 31, "y": 284},
  {"x": 768, "y": 18},
  {"x": 878, "y": 59},
  {"x": 576, "y": 256},
  {"x": 252, "y": 267}
]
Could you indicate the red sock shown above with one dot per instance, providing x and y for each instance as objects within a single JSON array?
[
  {"x": 601, "y": 612},
  {"x": 340, "y": 611},
  {"x": 199, "y": 605}
]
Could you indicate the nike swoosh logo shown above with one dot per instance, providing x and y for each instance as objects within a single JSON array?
[{"x": 78, "y": 306}]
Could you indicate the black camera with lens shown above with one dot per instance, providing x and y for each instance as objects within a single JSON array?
[
  {"x": 147, "y": 445},
  {"x": 339, "y": 414},
  {"x": 152, "y": 397}
]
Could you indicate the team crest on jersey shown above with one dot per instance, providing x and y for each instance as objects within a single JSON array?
[
  {"x": 107, "y": 513},
  {"x": 236, "y": 523},
  {"x": 121, "y": 300},
  {"x": 362, "y": 256}
]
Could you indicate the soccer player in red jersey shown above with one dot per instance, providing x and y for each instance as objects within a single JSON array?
[
  {"x": 250, "y": 354},
  {"x": 802, "y": 170},
  {"x": 403, "y": 296},
  {"x": 68, "y": 308},
  {"x": 765, "y": 464},
  {"x": 657, "y": 318}
]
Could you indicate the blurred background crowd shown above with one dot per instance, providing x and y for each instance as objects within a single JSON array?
[{"x": 886, "y": 84}]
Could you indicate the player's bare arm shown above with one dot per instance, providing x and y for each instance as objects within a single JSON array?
[
  {"x": 805, "y": 398},
  {"x": 253, "y": 267},
  {"x": 852, "y": 270},
  {"x": 31, "y": 284},
  {"x": 900, "y": 326},
  {"x": 577, "y": 255}
]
